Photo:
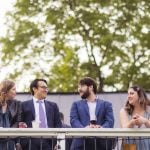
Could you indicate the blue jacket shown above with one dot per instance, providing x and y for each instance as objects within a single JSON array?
[{"x": 80, "y": 117}]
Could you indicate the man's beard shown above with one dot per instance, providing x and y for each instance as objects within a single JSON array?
[{"x": 85, "y": 94}]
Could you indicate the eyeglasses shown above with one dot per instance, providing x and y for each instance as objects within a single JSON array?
[{"x": 44, "y": 87}]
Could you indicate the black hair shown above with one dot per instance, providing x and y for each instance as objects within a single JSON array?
[
  {"x": 89, "y": 82},
  {"x": 34, "y": 84}
]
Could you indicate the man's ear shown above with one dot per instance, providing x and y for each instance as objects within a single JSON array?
[
  {"x": 91, "y": 87},
  {"x": 34, "y": 89}
]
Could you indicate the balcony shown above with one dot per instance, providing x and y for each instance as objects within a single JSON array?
[{"x": 61, "y": 134}]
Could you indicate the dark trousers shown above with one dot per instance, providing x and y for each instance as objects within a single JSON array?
[
  {"x": 37, "y": 144},
  {"x": 92, "y": 144},
  {"x": 7, "y": 144}
]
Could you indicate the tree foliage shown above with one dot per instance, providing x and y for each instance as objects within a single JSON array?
[{"x": 64, "y": 40}]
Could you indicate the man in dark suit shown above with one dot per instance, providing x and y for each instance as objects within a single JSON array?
[
  {"x": 91, "y": 112},
  {"x": 41, "y": 111}
]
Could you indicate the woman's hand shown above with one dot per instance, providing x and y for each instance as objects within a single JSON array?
[{"x": 139, "y": 120}]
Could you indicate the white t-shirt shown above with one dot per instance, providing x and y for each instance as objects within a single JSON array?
[{"x": 92, "y": 109}]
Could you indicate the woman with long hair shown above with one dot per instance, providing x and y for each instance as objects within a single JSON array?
[
  {"x": 10, "y": 111},
  {"x": 136, "y": 114}
]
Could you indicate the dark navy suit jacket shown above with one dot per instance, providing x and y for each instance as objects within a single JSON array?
[
  {"x": 53, "y": 121},
  {"x": 80, "y": 117},
  {"x": 52, "y": 113}
]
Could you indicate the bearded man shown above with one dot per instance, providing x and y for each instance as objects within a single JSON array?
[{"x": 91, "y": 112}]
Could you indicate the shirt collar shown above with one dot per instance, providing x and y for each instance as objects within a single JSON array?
[{"x": 36, "y": 100}]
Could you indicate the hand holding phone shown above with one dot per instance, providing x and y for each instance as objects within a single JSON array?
[{"x": 93, "y": 122}]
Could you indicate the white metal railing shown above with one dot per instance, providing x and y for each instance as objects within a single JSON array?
[
  {"x": 62, "y": 133},
  {"x": 74, "y": 132}
]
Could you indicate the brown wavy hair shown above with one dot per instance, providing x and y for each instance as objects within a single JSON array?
[
  {"x": 5, "y": 86},
  {"x": 143, "y": 99}
]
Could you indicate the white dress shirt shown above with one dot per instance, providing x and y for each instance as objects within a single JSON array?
[{"x": 36, "y": 107}]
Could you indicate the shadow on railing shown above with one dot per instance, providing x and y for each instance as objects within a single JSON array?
[{"x": 61, "y": 138}]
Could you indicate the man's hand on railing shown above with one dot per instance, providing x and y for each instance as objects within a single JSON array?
[
  {"x": 22, "y": 125},
  {"x": 93, "y": 126}
]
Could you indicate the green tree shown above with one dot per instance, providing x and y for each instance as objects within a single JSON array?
[{"x": 46, "y": 38}]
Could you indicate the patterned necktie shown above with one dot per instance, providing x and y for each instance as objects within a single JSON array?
[{"x": 41, "y": 115}]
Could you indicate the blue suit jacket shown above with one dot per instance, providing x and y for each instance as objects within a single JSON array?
[
  {"x": 80, "y": 117},
  {"x": 52, "y": 113}
]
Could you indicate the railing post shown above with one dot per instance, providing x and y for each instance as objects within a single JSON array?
[{"x": 61, "y": 141}]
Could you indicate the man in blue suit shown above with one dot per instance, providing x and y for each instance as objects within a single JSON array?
[
  {"x": 91, "y": 112},
  {"x": 32, "y": 111}
]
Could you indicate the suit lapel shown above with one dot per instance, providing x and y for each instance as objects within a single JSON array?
[
  {"x": 98, "y": 107},
  {"x": 32, "y": 108},
  {"x": 48, "y": 111},
  {"x": 85, "y": 106},
  {"x": 11, "y": 106}
]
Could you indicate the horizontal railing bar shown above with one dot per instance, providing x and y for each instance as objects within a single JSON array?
[{"x": 74, "y": 132}]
